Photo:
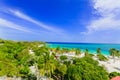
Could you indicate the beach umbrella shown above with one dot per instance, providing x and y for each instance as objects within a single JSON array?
[{"x": 116, "y": 78}]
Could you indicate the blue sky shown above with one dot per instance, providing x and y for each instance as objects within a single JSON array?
[{"x": 93, "y": 21}]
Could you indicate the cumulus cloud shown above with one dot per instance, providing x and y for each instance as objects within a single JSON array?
[{"x": 109, "y": 12}]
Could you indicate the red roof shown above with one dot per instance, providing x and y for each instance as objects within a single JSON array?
[{"x": 116, "y": 78}]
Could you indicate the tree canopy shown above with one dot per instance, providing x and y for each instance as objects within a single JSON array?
[{"x": 16, "y": 60}]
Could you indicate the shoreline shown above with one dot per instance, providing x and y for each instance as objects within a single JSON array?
[{"x": 91, "y": 47}]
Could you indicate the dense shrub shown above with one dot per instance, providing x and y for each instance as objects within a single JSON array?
[
  {"x": 113, "y": 74},
  {"x": 101, "y": 57},
  {"x": 63, "y": 57},
  {"x": 86, "y": 69}
]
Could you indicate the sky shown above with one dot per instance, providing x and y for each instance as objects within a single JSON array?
[{"x": 88, "y": 21}]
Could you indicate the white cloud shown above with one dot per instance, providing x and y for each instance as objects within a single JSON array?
[
  {"x": 105, "y": 28},
  {"x": 9, "y": 24},
  {"x": 26, "y": 17},
  {"x": 109, "y": 11},
  {"x": 103, "y": 24},
  {"x": 107, "y": 7}
]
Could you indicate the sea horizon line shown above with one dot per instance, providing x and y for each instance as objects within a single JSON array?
[{"x": 81, "y": 43}]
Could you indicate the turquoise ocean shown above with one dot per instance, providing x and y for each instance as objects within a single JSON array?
[{"x": 92, "y": 47}]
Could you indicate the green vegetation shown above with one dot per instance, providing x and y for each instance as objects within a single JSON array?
[
  {"x": 78, "y": 51},
  {"x": 98, "y": 51},
  {"x": 113, "y": 74},
  {"x": 101, "y": 57},
  {"x": 86, "y": 52},
  {"x": 114, "y": 53},
  {"x": 86, "y": 69},
  {"x": 63, "y": 57},
  {"x": 16, "y": 59}
]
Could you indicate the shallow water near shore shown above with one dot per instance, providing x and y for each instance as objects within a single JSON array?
[{"x": 92, "y": 47}]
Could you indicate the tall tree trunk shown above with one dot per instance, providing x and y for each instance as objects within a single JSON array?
[
  {"x": 37, "y": 72},
  {"x": 114, "y": 59},
  {"x": 56, "y": 77},
  {"x": 62, "y": 77}
]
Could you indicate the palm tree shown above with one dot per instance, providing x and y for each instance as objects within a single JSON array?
[
  {"x": 78, "y": 51},
  {"x": 86, "y": 52},
  {"x": 58, "y": 49},
  {"x": 73, "y": 72},
  {"x": 50, "y": 64},
  {"x": 98, "y": 51},
  {"x": 65, "y": 50},
  {"x": 7, "y": 66},
  {"x": 45, "y": 63},
  {"x": 62, "y": 68},
  {"x": 39, "y": 62},
  {"x": 113, "y": 53},
  {"x": 118, "y": 53},
  {"x": 39, "y": 66}
]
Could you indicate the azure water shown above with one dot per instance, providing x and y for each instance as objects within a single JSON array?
[{"x": 92, "y": 47}]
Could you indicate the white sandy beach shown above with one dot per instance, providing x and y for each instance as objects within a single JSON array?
[{"x": 112, "y": 65}]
